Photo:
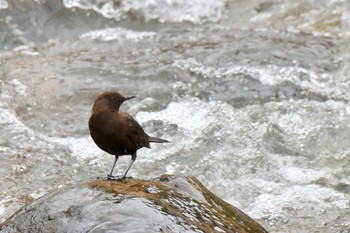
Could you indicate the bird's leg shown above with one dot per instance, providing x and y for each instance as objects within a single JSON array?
[
  {"x": 110, "y": 176},
  {"x": 133, "y": 158}
]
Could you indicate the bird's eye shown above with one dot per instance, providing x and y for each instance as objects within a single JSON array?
[{"x": 112, "y": 98}]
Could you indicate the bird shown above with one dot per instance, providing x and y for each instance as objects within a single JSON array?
[{"x": 115, "y": 131}]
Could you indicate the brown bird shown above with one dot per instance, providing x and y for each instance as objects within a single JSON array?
[{"x": 115, "y": 131}]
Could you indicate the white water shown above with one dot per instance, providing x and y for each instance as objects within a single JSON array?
[{"x": 260, "y": 116}]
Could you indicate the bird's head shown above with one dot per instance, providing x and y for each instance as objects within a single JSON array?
[{"x": 109, "y": 101}]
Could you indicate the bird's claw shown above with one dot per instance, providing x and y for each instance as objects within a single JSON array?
[{"x": 110, "y": 177}]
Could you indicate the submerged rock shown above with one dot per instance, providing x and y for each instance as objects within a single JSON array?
[{"x": 166, "y": 204}]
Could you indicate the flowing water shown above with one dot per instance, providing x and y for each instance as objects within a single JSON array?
[{"x": 253, "y": 95}]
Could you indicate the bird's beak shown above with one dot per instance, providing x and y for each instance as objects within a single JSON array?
[{"x": 128, "y": 98}]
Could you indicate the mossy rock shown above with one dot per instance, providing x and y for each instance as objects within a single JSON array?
[{"x": 166, "y": 204}]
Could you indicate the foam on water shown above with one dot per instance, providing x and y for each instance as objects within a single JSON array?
[
  {"x": 326, "y": 18},
  {"x": 272, "y": 74},
  {"x": 298, "y": 198},
  {"x": 228, "y": 149},
  {"x": 12, "y": 127},
  {"x": 82, "y": 148},
  {"x": 3, "y": 4},
  {"x": 195, "y": 11},
  {"x": 113, "y": 34},
  {"x": 299, "y": 175}
]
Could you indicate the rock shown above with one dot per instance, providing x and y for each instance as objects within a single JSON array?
[{"x": 166, "y": 204}]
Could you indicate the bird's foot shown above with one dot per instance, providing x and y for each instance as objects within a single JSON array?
[
  {"x": 110, "y": 177},
  {"x": 116, "y": 178}
]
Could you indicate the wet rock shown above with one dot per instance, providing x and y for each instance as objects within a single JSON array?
[{"x": 166, "y": 204}]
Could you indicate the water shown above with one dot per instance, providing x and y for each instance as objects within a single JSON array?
[{"x": 253, "y": 95}]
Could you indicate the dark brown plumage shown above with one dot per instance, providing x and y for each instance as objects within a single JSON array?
[{"x": 115, "y": 131}]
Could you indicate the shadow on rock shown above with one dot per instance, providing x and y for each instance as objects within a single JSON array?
[{"x": 166, "y": 204}]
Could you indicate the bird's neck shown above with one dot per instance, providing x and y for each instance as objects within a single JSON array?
[{"x": 103, "y": 109}]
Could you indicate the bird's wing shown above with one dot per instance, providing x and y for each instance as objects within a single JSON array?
[{"x": 136, "y": 134}]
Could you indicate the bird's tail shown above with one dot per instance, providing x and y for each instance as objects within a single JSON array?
[{"x": 157, "y": 140}]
